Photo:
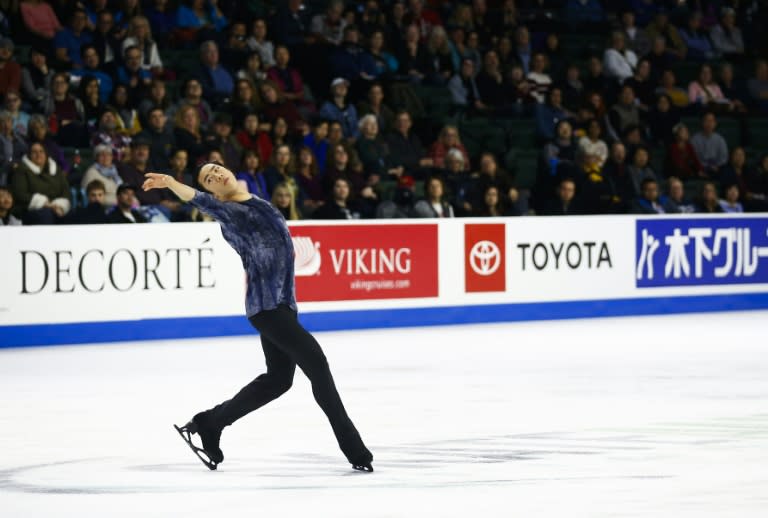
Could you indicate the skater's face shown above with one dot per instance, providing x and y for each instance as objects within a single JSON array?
[{"x": 218, "y": 180}]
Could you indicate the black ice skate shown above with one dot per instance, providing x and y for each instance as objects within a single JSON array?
[
  {"x": 363, "y": 467},
  {"x": 210, "y": 454}
]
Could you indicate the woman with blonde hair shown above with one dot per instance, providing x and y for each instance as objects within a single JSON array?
[
  {"x": 187, "y": 132},
  {"x": 140, "y": 35},
  {"x": 284, "y": 200},
  {"x": 448, "y": 139},
  {"x": 439, "y": 57}
]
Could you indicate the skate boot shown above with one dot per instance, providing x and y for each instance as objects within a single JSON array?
[
  {"x": 210, "y": 454},
  {"x": 367, "y": 467}
]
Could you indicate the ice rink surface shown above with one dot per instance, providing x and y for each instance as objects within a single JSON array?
[{"x": 648, "y": 416}]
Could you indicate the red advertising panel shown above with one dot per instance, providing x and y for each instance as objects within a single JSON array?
[
  {"x": 484, "y": 258},
  {"x": 359, "y": 262}
]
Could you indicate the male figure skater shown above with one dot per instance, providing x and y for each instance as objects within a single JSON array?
[{"x": 258, "y": 233}]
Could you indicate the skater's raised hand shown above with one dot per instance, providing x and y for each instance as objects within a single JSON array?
[{"x": 163, "y": 181}]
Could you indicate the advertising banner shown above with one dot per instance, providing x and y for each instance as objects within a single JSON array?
[
  {"x": 365, "y": 262},
  {"x": 485, "y": 257},
  {"x": 698, "y": 252}
]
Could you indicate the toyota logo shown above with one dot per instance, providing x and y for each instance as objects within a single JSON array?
[{"x": 485, "y": 258}]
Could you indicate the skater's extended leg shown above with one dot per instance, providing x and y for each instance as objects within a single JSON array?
[{"x": 283, "y": 329}]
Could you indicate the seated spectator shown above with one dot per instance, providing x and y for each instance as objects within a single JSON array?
[
  {"x": 434, "y": 204},
  {"x": 439, "y": 58},
  {"x": 12, "y": 146},
  {"x": 19, "y": 118},
  {"x": 40, "y": 189},
  {"x": 373, "y": 151},
  {"x": 92, "y": 67},
  {"x": 343, "y": 163},
  {"x": 625, "y": 112},
  {"x": 696, "y": 39},
  {"x": 69, "y": 40},
  {"x": 519, "y": 97},
  {"x": 642, "y": 84},
  {"x": 328, "y": 28},
  {"x": 660, "y": 27},
  {"x": 634, "y": 138},
  {"x": 619, "y": 62},
  {"x": 179, "y": 169},
  {"x": 549, "y": 114},
  {"x": 413, "y": 56},
  {"x": 140, "y": 36},
  {"x": 573, "y": 88},
  {"x": 661, "y": 119},
  {"x": 756, "y": 191},
  {"x": 200, "y": 19},
  {"x": 735, "y": 171},
  {"x": 636, "y": 37},
  {"x": 36, "y": 79},
  {"x": 258, "y": 42},
  {"x": 40, "y": 19},
  {"x": 459, "y": 184},
  {"x": 155, "y": 205},
  {"x": 337, "y": 109},
  {"x": 284, "y": 200},
  {"x": 218, "y": 84},
  {"x": 127, "y": 116},
  {"x": 649, "y": 201},
  {"x": 678, "y": 198},
  {"x": 597, "y": 80},
  {"x": 558, "y": 160},
  {"x": 124, "y": 211},
  {"x": 708, "y": 202},
  {"x": 616, "y": 169},
  {"x": 726, "y": 36},
  {"x": 730, "y": 203},
  {"x": 290, "y": 22},
  {"x": 106, "y": 39},
  {"x": 188, "y": 133},
  {"x": 38, "y": 132},
  {"x": 406, "y": 148},
  {"x": 89, "y": 96},
  {"x": 538, "y": 77},
  {"x": 491, "y": 174},
  {"x": 245, "y": 102},
  {"x": 584, "y": 12},
  {"x": 161, "y": 139},
  {"x": 254, "y": 139},
  {"x": 287, "y": 77},
  {"x": 282, "y": 169},
  {"x": 339, "y": 205},
  {"x": 660, "y": 58},
  {"x": 492, "y": 205},
  {"x": 192, "y": 95},
  {"x": 109, "y": 134},
  {"x": 276, "y": 107},
  {"x": 710, "y": 146},
  {"x": 10, "y": 71},
  {"x": 555, "y": 56},
  {"x": 682, "y": 161},
  {"x": 222, "y": 138},
  {"x": 592, "y": 143},
  {"x": 565, "y": 203},
  {"x": 705, "y": 92},
  {"x": 157, "y": 97},
  {"x": 668, "y": 86},
  {"x": 640, "y": 170},
  {"x": 598, "y": 193},
  {"x": 234, "y": 51},
  {"x": 490, "y": 83},
  {"x": 95, "y": 210},
  {"x": 7, "y": 219},
  {"x": 130, "y": 74},
  {"x": 734, "y": 91},
  {"x": 385, "y": 64},
  {"x": 311, "y": 193},
  {"x": 317, "y": 141},
  {"x": 105, "y": 172},
  {"x": 67, "y": 112},
  {"x": 280, "y": 135},
  {"x": 448, "y": 139},
  {"x": 758, "y": 86},
  {"x": 374, "y": 105},
  {"x": 351, "y": 62}
]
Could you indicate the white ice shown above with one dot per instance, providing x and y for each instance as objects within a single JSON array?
[{"x": 649, "y": 416}]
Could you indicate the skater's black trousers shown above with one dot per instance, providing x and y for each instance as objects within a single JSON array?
[{"x": 287, "y": 344}]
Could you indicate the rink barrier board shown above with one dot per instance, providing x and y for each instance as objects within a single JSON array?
[{"x": 206, "y": 327}]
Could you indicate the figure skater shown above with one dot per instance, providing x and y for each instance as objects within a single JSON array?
[{"x": 259, "y": 234}]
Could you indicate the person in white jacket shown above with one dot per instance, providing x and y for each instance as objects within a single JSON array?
[{"x": 619, "y": 61}]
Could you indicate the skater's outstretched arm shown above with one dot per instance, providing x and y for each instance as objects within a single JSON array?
[{"x": 164, "y": 181}]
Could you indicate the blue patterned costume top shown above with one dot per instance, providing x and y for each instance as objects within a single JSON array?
[{"x": 258, "y": 233}]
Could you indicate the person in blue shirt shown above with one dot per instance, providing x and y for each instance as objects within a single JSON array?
[
  {"x": 259, "y": 234},
  {"x": 68, "y": 41},
  {"x": 91, "y": 67},
  {"x": 337, "y": 109}
]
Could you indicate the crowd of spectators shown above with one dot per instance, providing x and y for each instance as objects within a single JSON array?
[{"x": 330, "y": 109}]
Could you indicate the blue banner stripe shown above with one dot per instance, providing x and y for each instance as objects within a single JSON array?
[{"x": 200, "y": 327}]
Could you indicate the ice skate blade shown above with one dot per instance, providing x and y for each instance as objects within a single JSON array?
[
  {"x": 367, "y": 468},
  {"x": 201, "y": 454}
]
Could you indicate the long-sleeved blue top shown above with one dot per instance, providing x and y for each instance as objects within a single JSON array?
[{"x": 258, "y": 233}]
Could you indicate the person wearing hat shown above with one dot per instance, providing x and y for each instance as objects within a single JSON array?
[
  {"x": 10, "y": 71},
  {"x": 337, "y": 109},
  {"x": 124, "y": 211}
]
